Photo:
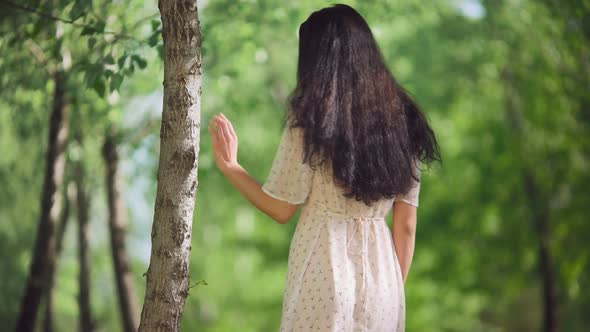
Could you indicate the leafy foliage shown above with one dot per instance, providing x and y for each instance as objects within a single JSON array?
[{"x": 504, "y": 84}]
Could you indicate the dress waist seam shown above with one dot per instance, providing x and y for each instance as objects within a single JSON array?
[{"x": 342, "y": 216}]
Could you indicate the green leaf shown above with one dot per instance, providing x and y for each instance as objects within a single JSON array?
[
  {"x": 78, "y": 9},
  {"x": 154, "y": 39},
  {"x": 160, "y": 49},
  {"x": 12, "y": 41},
  {"x": 37, "y": 27},
  {"x": 100, "y": 26},
  {"x": 91, "y": 42},
  {"x": 92, "y": 73},
  {"x": 109, "y": 60},
  {"x": 88, "y": 30},
  {"x": 141, "y": 62},
  {"x": 121, "y": 60},
  {"x": 99, "y": 87},
  {"x": 155, "y": 25},
  {"x": 116, "y": 81}
]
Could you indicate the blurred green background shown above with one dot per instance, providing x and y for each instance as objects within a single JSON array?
[{"x": 505, "y": 85}]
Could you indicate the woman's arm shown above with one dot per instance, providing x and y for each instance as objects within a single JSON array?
[
  {"x": 280, "y": 211},
  {"x": 225, "y": 149},
  {"x": 404, "y": 234}
]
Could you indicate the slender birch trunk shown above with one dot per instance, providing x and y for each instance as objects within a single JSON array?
[
  {"x": 539, "y": 214},
  {"x": 49, "y": 322},
  {"x": 168, "y": 273},
  {"x": 43, "y": 258},
  {"x": 82, "y": 207},
  {"x": 117, "y": 226}
]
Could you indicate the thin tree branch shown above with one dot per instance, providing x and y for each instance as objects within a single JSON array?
[
  {"x": 48, "y": 16},
  {"x": 40, "y": 57}
]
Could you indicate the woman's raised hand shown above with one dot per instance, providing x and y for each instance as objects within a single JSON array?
[{"x": 225, "y": 142}]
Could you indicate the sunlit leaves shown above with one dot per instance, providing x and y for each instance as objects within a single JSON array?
[
  {"x": 80, "y": 8},
  {"x": 136, "y": 59},
  {"x": 475, "y": 261},
  {"x": 156, "y": 34}
]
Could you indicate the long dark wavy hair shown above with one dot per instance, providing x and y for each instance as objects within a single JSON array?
[{"x": 353, "y": 112}]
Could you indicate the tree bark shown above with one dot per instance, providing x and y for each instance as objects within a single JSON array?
[
  {"x": 539, "y": 212},
  {"x": 49, "y": 323},
  {"x": 546, "y": 264},
  {"x": 43, "y": 258},
  {"x": 168, "y": 273},
  {"x": 117, "y": 227},
  {"x": 82, "y": 205}
]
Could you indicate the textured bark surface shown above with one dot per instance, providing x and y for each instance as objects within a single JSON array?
[
  {"x": 44, "y": 252},
  {"x": 117, "y": 227},
  {"x": 49, "y": 322},
  {"x": 82, "y": 205},
  {"x": 168, "y": 273}
]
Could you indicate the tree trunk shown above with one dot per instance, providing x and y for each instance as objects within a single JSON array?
[
  {"x": 82, "y": 204},
  {"x": 168, "y": 273},
  {"x": 44, "y": 253},
  {"x": 546, "y": 264},
  {"x": 117, "y": 226},
  {"x": 539, "y": 211},
  {"x": 49, "y": 323}
]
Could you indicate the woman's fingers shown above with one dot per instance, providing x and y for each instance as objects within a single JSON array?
[
  {"x": 231, "y": 127},
  {"x": 214, "y": 133},
  {"x": 222, "y": 136},
  {"x": 217, "y": 127},
  {"x": 225, "y": 131},
  {"x": 216, "y": 140},
  {"x": 225, "y": 143},
  {"x": 222, "y": 130}
]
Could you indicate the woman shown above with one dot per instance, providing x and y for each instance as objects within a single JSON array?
[{"x": 350, "y": 151}]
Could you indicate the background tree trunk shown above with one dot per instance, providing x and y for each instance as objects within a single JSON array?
[
  {"x": 117, "y": 226},
  {"x": 168, "y": 273},
  {"x": 539, "y": 211},
  {"x": 49, "y": 323},
  {"x": 546, "y": 265},
  {"x": 86, "y": 323},
  {"x": 44, "y": 253}
]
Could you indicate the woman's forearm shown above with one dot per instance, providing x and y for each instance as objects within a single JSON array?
[
  {"x": 252, "y": 191},
  {"x": 404, "y": 246},
  {"x": 404, "y": 239}
]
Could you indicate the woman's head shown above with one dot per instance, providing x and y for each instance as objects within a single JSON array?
[
  {"x": 335, "y": 37},
  {"x": 354, "y": 114}
]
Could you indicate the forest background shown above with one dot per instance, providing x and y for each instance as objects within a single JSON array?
[{"x": 502, "y": 238}]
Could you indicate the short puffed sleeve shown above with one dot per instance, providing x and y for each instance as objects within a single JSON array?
[
  {"x": 289, "y": 179},
  {"x": 412, "y": 196}
]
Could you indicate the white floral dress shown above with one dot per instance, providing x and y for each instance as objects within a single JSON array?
[{"x": 343, "y": 271}]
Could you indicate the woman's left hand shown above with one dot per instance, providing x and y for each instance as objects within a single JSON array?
[{"x": 225, "y": 142}]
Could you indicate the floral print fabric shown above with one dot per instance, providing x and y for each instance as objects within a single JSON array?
[{"x": 343, "y": 271}]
